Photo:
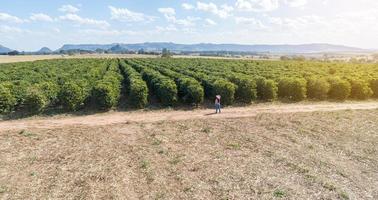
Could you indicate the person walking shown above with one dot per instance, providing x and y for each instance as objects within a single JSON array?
[{"x": 217, "y": 104}]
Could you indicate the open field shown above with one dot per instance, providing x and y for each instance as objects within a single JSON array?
[
  {"x": 320, "y": 151},
  {"x": 27, "y": 58}
]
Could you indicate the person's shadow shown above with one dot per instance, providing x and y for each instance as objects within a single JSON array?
[{"x": 208, "y": 114}]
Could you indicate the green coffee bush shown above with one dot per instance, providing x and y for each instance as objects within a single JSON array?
[
  {"x": 7, "y": 100},
  {"x": 137, "y": 89},
  {"x": 35, "y": 100},
  {"x": 266, "y": 89},
  {"x": 246, "y": 90},
  {"x": 292, "y": 88},
  {"x": 72, "y": 96},
  {"x": 360, "y": 89},
  {"x": 226, "y": 90},
  {"x": 164, "y": 88},
  {"x": 190, "y": 91},
  {"x": 317, "y": 88},
  {"x": 50, "y": 91},
  {"x": 374, "y": 87},
  {"x": 339, "y": 90},
  {"x": 138, "y": 93}
]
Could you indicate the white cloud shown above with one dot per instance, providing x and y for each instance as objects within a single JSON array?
[
  {"x": 169, "y": 28},
  {"x": 84, "y": 21},
  {"x": 69, "y": 9},
  {"x": 167, "y": 11},
  {"x": 296, "y": 3},
  {"x": 250, "y": 21},
  {"x": 187, "y": 6},
  {"x": 223, "y": 12},
  {"x": 9, "y": 18},
  {"x": 170, "y": 15},
  {"x": 210, "y": 22},
  {"x": 56, "y": 30},
  {"x": 257, "y": 5},
  {"x": 10, "y": 29},
  {"x": 41, "y": 17},
  {"x": 108, "y": 32},
  {"x": 124, "y": 14}
]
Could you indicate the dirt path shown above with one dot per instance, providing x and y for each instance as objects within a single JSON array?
[{"x": 164, "y": 115}]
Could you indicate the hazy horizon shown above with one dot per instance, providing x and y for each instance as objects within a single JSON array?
[{"x": 30, "y": 25}]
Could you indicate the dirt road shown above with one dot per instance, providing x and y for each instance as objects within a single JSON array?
[{"x": 177, "y": 115}]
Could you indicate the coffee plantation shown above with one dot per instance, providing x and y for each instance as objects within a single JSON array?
[{"x": 74, "y": 84}]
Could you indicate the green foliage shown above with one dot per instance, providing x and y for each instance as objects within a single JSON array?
[
  {"x": 72, "y": 83},
  {"x": 35, "y": 100},
  {"x": 266, "y": 89},
  {"x": 50, "y": 90},
  {"x": 107, "y": 91},
  {"x": 164, "y": 88},
  {"x": 72, "y": 96},
  {"x": 339, "y": 90},
  {"x": 138, "y": 93},
  {"x": 246, "y": 90},
  {"x": 374, "y": 87},
  {"x": 292, "y": 88},
  {"x": 226, "y": 90},
  {"x": 317, "y": 88},
  {"x": 190, "y": 91},
  {"x": 360, "y": 89},
  {"x": 104, "y": 95},
  {"x": 7, "y": 100},
  {"x": 136, "y": 88}
]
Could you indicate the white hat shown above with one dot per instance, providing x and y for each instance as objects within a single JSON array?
[{"x": 218, "y": 96}]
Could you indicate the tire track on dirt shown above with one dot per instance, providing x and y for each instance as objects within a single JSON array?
[{"x": 178, "y": 115}]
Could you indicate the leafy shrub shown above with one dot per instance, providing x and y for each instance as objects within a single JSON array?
[
  {"x": 246, "y": 90},
  {"x": 19, "y": 90},
  {"x": 50, "y": 91},
  {"x": 266, "y": 89},
  {"x": 107, "y": 91},
  {"x": 226, "y": 90},
  {"x": 374, "y": 87},
  {"x": 360, "y": 89},
  {"x": 317, "y": 88},
  {"x": 35, "y": 100},
  {"x": 292, "y": 88},
  {"x": 136, "y": 88},
  {"x": 164, "y": 88},
  {"x": 340, "y": 89},
  {"x": 138, "y": 93},
  {"x": 190, "y": 91},
  {"x": 72, "y": 96},
  {"x": 7, "y": 100},
  {"x": 104, "y": 95}
]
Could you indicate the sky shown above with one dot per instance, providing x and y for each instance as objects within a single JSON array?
[{"x": 31, "y": 24}]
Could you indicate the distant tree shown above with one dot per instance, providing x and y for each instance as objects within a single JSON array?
[
  {"x": 13, "y": 53},
  {"x": 141, "y": 51},
  {"x": 99, "y": 50},
  {"x": 284, "y": 58},
  {"x": 166, "y": 53}
]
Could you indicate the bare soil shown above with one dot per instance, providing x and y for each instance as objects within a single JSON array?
[{"x": 318, "y": 151}]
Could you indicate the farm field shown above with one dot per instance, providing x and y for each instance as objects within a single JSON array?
[
  {"x": 29, "y": 58},
  {"x": 66, "y": 85},
  {"x": 275, "y": 152}
]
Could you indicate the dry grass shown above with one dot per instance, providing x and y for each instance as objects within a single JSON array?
[{"x": 320, "y": 155}]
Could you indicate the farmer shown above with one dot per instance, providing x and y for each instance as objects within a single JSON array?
[{"x": 217, "y": 104}]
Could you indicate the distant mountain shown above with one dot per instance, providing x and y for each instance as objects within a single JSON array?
[
  {"x": 158, "y": 46},
  {"x": 4, "y": 49},
  {"x": 45, "y": 50},
  {"x": 87, "y": 47},
  {"x": 117, "y": 48}
]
